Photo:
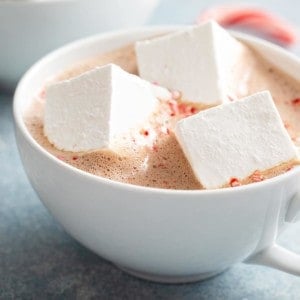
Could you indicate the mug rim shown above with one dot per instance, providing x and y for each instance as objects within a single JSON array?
[{"x": 77, "y": 44}]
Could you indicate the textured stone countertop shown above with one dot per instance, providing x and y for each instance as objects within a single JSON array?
[{"x": 38, "y": 260}]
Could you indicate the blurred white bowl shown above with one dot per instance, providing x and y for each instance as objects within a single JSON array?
[{"x": 29, "y": 29}]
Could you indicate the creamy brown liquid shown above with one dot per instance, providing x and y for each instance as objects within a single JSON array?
[{"x": 151, "y": 155}]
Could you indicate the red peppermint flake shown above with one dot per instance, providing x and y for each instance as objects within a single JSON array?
[
  {"x": 144, "y": 132},
  {"x": 183, "y": 109},
  {"x": 193, "y": 110},
  {"x": 186, "y": 110},
  {"x": 296, "y": 102},
  {"x": 60, "y": 157},
  {"x": 234, "y": 182},
  {"x": 75, "y": 157},
  {"x": 257, "y": 176}
]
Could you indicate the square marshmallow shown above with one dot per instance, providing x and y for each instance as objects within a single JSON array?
[
  {"x": 234, "y": 140},
  {"x": 197, "y": 62},
  {"x": 86, "y": 112}
]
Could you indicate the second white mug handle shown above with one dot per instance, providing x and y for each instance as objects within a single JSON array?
[{"x": 278, "y": 257}]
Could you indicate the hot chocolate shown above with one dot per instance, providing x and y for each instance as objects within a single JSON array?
[{"x": 151, "y": 155}]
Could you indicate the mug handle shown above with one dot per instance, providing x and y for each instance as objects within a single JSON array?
[{"x": 278, "y": 257}]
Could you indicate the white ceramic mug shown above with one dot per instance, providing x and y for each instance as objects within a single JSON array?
[
  {"x": 157, "y": 234},
  {"x": 31, "y": 28}
]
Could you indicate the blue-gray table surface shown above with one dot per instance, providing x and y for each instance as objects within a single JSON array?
[{"x": 38, "y": 260}]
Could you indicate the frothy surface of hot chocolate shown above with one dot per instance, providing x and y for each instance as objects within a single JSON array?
[{"x": 151, "y": 155}]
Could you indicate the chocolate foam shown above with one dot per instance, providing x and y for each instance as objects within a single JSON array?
[{"x": 151, "y": 155}]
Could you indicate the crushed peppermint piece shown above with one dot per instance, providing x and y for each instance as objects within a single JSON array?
[
  {"x": 234, "y": 182},
  {"x": 257, "y": 176}
]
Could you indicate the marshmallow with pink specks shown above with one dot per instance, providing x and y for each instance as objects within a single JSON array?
[
  {"x": 87, "y": 112},
  {"x": 234, "y": 140},
  {"x": 197, "y": 61}
]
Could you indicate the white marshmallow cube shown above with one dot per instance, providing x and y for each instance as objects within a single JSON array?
[
  {"x": 234, "y": 140},
  {"x": 197, "y": 61},
  {"x": 86, "y": 112}
]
